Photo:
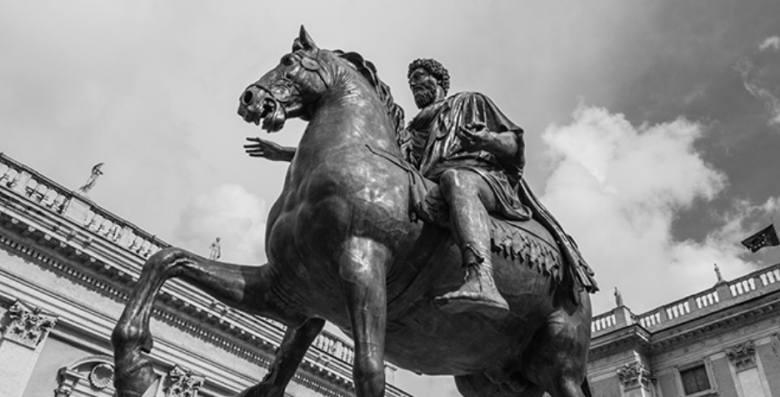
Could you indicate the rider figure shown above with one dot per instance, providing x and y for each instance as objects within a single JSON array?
[{"x": 475, "y": 153}]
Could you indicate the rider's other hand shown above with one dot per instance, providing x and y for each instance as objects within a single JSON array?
[{"x": 475, "y": 135}]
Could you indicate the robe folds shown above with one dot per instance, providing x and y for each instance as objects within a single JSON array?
[
  {"x": 435, "y": 146},
  {"x": 432, "y": 144}
]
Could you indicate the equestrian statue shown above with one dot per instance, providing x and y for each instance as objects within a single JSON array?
[{"x": 421, "y": 241}]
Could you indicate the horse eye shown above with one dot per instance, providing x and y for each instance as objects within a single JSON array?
[{"x": 287, "y": 60}]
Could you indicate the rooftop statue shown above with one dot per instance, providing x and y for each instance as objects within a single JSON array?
[
  {"x": 93, "y": 176},
  {"x": 423, "y": 242}
]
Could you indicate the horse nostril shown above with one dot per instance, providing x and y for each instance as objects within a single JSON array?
[{"x": 246, "y": 99}]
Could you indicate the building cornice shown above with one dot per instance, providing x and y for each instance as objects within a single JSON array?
[
  {"x": 631, "y": 337},
  {"x": 636, "y": 337},
  {"x": 716, "y": 323}
]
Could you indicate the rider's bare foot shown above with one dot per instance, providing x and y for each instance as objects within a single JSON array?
[{"x": 477, "y": 294}]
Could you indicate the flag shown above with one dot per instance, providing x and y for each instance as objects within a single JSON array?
[{"x": 764, "y": 238}]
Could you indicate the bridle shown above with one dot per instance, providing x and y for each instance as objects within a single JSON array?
[{"x": 309, "y": 63}]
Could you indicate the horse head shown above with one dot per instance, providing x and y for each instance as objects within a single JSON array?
[{"x": 290, "y": 89}]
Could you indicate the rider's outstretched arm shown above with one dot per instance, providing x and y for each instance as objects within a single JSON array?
[{"x": 269, "y": 150}]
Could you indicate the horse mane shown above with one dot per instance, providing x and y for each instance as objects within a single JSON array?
[{"x": 367, "y": 69}]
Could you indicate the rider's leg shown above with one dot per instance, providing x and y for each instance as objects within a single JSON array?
[{"x": 469, "y": 199}]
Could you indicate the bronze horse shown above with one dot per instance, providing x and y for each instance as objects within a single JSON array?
[{"x": 341, "y": 247}]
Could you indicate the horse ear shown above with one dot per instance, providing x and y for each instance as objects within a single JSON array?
[
  {"x": 297, "y": 45},
  {"x": 305, "y": 40}
]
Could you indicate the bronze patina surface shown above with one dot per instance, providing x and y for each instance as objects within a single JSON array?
[{"x": 343, "y": 244}]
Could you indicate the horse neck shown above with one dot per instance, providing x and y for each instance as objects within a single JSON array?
[{"x": 350, "y": 114}]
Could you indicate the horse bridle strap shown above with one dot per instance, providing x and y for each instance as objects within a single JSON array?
[{"x": 312, "y": 64}]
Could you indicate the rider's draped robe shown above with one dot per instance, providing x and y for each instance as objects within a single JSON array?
[{"x": 433, "y": 145}]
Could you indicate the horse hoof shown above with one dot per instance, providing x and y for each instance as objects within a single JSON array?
[{"x": 473, "y": 304}]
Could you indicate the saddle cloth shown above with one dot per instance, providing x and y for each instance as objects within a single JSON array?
[{"x": 554, "y": 253}]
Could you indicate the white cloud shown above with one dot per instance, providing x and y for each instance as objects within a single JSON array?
[
  {"x": 617, "y": 188},
  {"x": 231, "y": 213},
  {"x": 770, "y": 43},
  {"x": 753, "y": 85}
]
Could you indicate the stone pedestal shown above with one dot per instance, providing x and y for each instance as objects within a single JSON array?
[
  {"x": 623, "y": 316},
  {"x": 25, "y": 329}
]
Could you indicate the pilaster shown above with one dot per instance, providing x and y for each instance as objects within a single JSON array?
[
  {"x": 182, "y": 383},
  {"x": 636, "y": 379},
  {"x": 24, "y": 334},
  {"x": 743, "y": 355}
]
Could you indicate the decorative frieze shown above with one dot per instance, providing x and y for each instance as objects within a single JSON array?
[
  {"x": 27, "y": 325},
  {"x": 182, "y": 383},
  {"x": 743, "y": 355},
  {"x": 634, "y": 375},
  {"x": 88, "y": 376},
  {"x": 101, "y": 376}
]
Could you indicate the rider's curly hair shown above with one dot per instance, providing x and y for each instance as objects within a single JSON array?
[{"x": 435, "y": 68}]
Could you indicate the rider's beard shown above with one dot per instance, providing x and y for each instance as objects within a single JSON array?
[{"x": 424, "y": 97}]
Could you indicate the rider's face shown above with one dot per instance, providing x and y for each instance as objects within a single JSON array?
[{"x": 424, "y": 87}]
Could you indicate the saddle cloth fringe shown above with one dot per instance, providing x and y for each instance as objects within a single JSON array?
[{"x": 514, "y": 242}]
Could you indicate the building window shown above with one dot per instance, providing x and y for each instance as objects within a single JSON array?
[{"x": 694, "y": 379}]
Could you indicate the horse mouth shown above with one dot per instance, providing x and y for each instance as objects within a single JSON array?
[
  {"x": 273, "y": 116},
  {"x": 270, "y": 115}
]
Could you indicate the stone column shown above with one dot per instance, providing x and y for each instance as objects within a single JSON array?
[
  {"x": 26, "y": 328},
  {"x": 636, "y": 380}
]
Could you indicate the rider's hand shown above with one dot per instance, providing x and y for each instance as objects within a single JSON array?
[
  {"x": 475, "y": 136},
  {"x": 267, "y": 149}
]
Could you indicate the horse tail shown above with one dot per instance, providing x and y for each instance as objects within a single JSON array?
[{"x": 586, "y": 388}]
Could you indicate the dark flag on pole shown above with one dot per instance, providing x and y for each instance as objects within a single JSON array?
[{"x": 764, "y": 238}]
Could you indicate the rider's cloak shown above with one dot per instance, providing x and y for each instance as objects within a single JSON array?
[{"x": 434, "y": 144}]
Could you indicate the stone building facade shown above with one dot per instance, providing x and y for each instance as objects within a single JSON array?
[
  {"x": 66, "y": 267},
  {"x": 724, "y": 341}
]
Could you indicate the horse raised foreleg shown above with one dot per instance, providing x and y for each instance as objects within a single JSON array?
[
  {"x": 243, "y": 287},
  {"x": 291, "y": 352},
  {"x": 362, "y": 267}
]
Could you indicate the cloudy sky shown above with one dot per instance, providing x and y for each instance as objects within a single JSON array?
[{"x": 652, "y": 127}]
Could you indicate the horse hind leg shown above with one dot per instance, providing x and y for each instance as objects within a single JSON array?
[
  {"x": 557, "y": 359},
  {"x": 237, "y": 286}
]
